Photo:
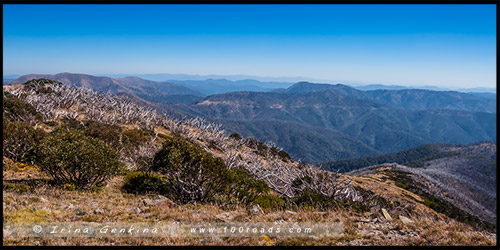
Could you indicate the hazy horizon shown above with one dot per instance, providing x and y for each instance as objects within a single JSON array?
[{"x": 291, "y": 80}]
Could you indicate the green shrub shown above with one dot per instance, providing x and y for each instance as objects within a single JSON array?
[
  {"x": 39, "y": 83},
  {"x": 193, "y": 174},
  {"x": 401, "y": 185},
  {"x": 19, "y": 138},
  {"x": 284, "y": 155},
  {"x": 15, "y": 109},
  {"x": 108, "y": 133},
  {"x": 69, "y": 186},
  {"x": 259, "y": 146},
  {"x": 20, "y": 188},
  {"x": 269, "y": 201},
  {"x": 236, "y": 136},
  {"x": 311, "y": 198},
  {"x": 68, "y": 156},
  {"x": 244, "y": 187},
  {"x": 124, "y": 141},
  {"x": 143, "y": 182}
]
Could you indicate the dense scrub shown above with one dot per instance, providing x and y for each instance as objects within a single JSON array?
[
  {"x": 70, "y": 157},
  {"x": 190, "y": 174},
  {"x": 19, "y": 139},
  {"x": 414, "y": 157},
  {"x": 263, "y": 149},
  {"x": 145, "y": 182},
  {"x": 14, "y": 109}
]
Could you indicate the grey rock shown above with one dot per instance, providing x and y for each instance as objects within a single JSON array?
[
  {"x": 46, "y": 209},
  {"x": 386, "y": 214},
  {"x": 80, "y": 212},
  {"x": 405, "y": 220},
  {"x": 137, "y": 210},
  {"x": 43, "y": 199},
  {"x": 159, "y": 200},
  {"x": 98, "y": 211},
  {"x": 280, "y": 221},
  {"x": 255, "y": 210},
  {"x": 226, "y": 216},
  {"x": 364, "y": 220},
  {"x": 148, "y": 202}
]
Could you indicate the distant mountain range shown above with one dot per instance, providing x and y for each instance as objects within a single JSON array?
[
  {"x": 149, "y": 90},
  {"x": 220, "y": 86},
  {"x": 399, "y": 87},
  {"x": 313, "y": 122},
  {"x": 257, "y": 83},
  {"x": 186, "y": 77},
  {"x": 335, "y": 124},
  {"x": 411, "y": 99}
]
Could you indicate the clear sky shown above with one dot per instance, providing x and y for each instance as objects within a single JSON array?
[{"x": 440, "y": 45}]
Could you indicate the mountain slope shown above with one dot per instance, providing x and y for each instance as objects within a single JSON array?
[
  {"x": 411, "y": 99},
  {"x": 371, "y": 126},
  {"x": 463, "y": 175},
  {"x": 146, "y": 89}
]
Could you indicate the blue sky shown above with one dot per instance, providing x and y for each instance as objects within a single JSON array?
[{"x": 440, "y": 45}]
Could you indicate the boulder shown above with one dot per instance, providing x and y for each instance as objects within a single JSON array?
[
  {"x": 98, "y": 211},
  {"x": 137, "y": 210},
  {"x": 162, "y": 200},
  {"x": 227, "y": 216},
  {"x": 159, "y": 200},
  {"x": 405, "y": 220},
  {"x": 148, "y": 202},
  {"x": 255, "y": 210},
  {"x": 69, "y": 206},
  {"x": 386, "y": 214},
  {"x": 80, "y": 212}
]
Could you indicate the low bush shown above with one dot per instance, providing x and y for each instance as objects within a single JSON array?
[
  {"x": 15, "y": 109},
  {"x": 244, "y": 187},
  {"x": 70, "y": 157},
  {"x": 19, "y": 138},
  {"x": 20, "y": 188},
  {"x": 194, "y": 175},
  {"x": 143, "y": 182},
  {"x": 268, "y": 201},
  {"x": 236, "y": 136}
]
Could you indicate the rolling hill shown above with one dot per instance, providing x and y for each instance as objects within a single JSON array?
[
  {"x": 318, "y": 122},
  {"x": 411, "y": 99}
]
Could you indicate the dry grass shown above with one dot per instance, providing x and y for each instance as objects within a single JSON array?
[{"x": 45, "y": 203}]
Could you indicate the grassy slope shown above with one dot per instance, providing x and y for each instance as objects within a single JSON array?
[{"x": 430, "y": 228}]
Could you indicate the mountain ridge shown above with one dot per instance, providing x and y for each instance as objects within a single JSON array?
[
  {"x": 382, "y": 127},
  {"x": 146, "y": 89},
  {"x": 412, "y": 99}
]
